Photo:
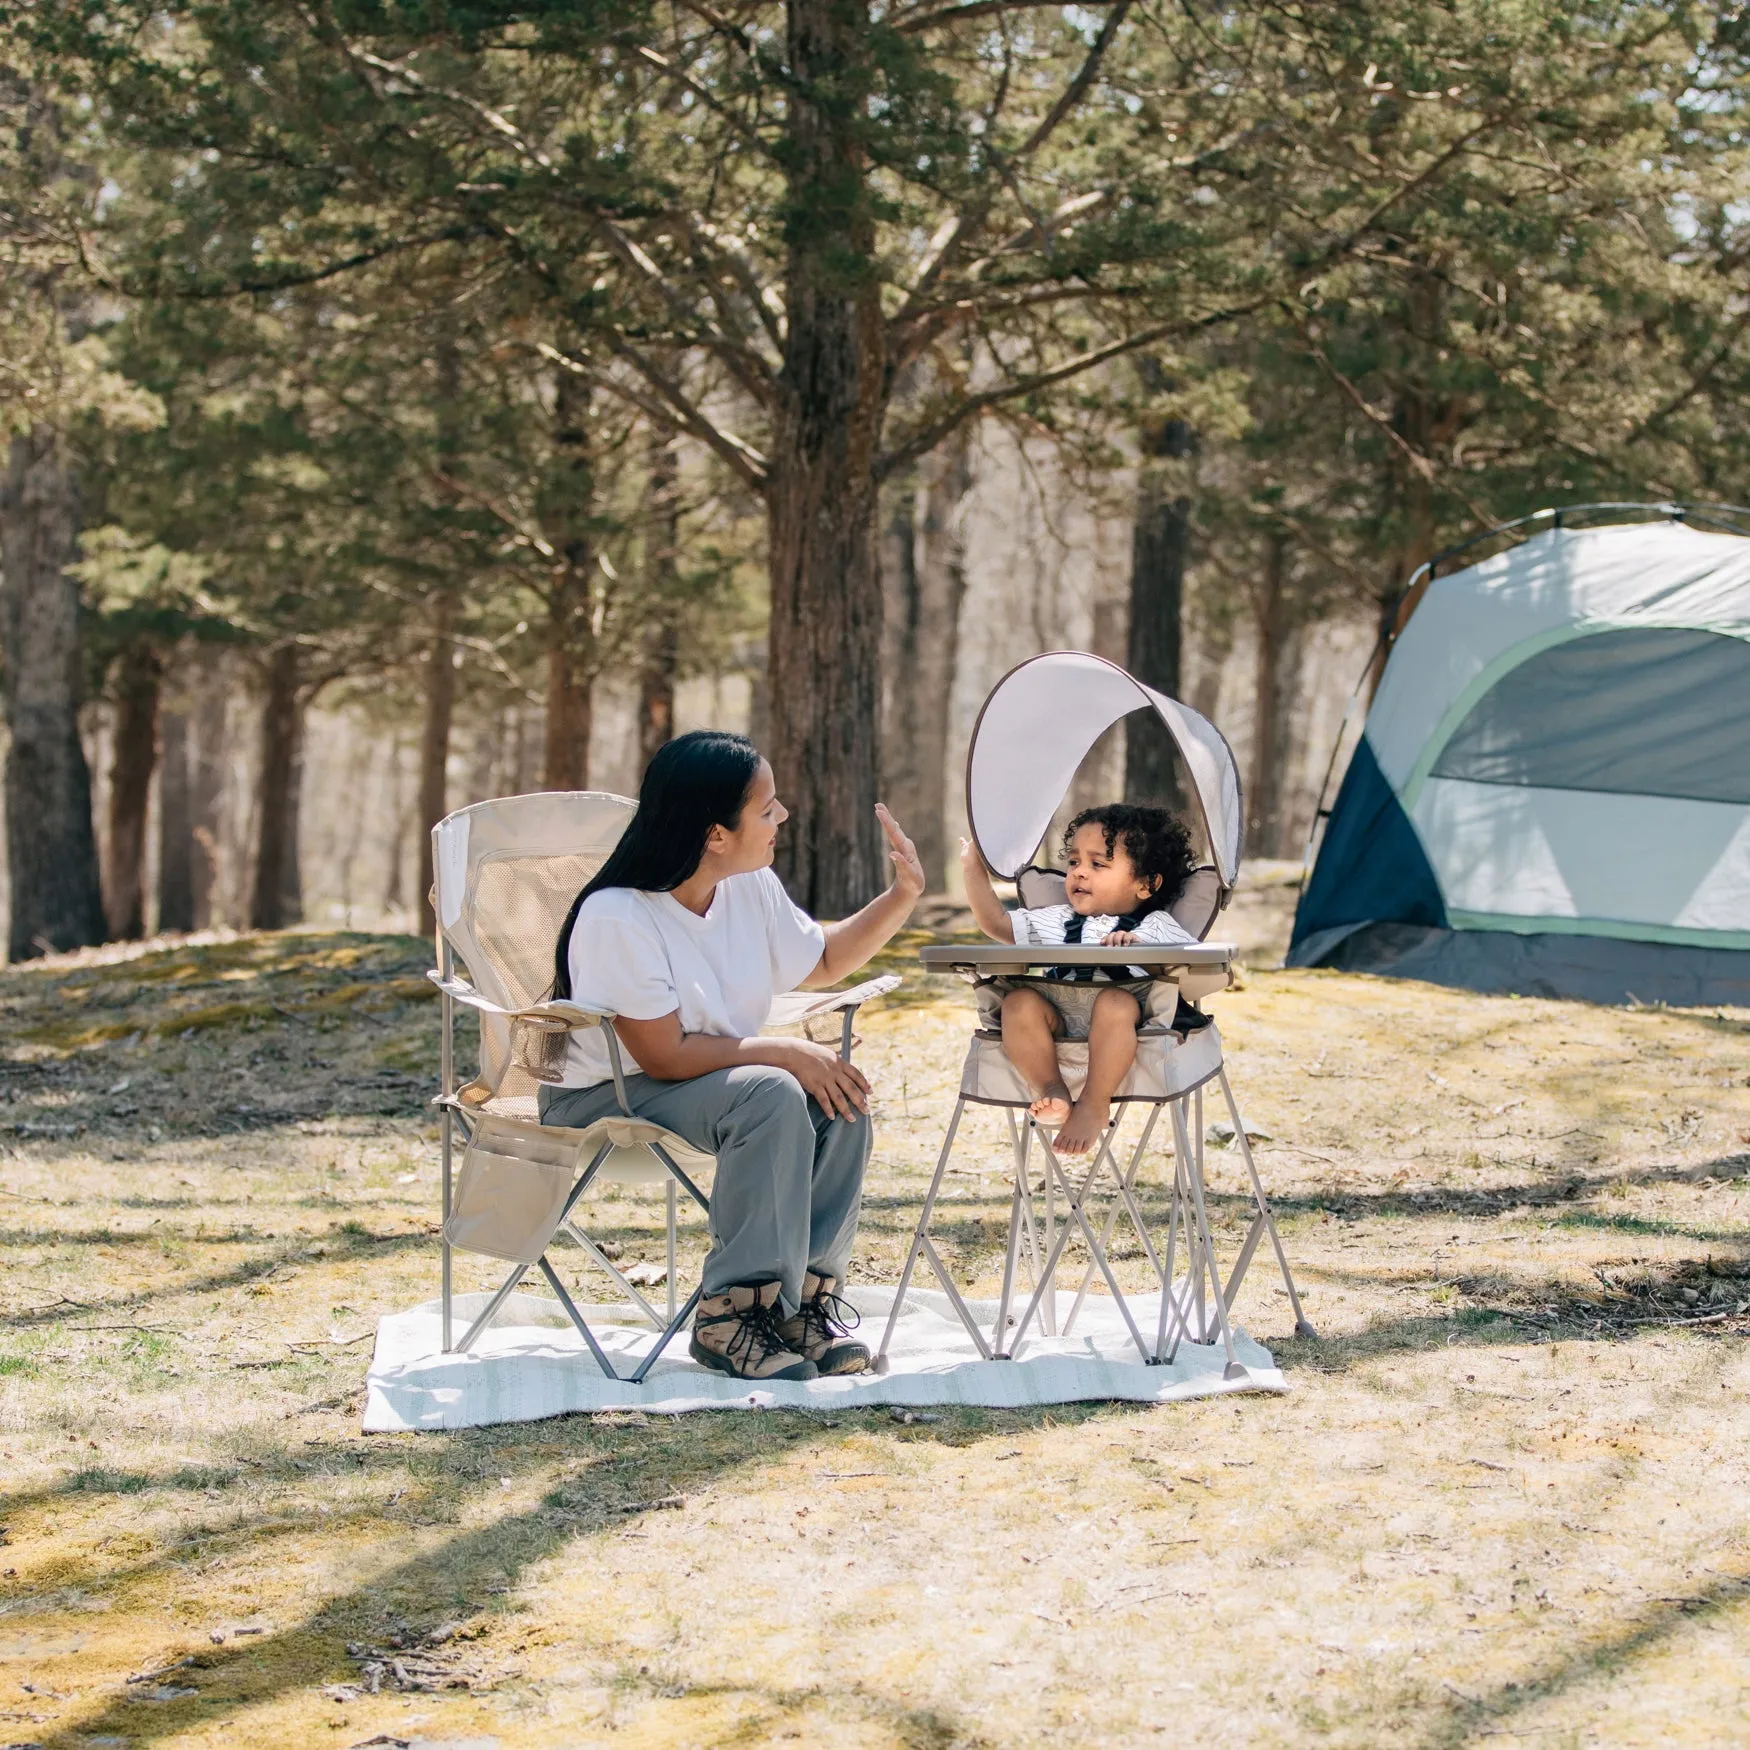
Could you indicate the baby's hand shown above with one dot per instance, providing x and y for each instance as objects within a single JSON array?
[{"x": 1119, "y": 939}]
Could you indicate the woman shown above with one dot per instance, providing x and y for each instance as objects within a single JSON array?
[{"x": 684, "y": 937}]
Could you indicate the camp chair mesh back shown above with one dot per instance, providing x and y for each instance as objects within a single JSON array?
[{"x": 506, "y": 873}]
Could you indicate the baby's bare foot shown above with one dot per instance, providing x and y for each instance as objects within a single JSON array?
[
  {"x": 1081, "y": 1130},
  {"x": 1054, "y": 1105}
]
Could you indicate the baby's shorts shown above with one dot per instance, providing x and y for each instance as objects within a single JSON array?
[{"x": 1075, "y": 1001}]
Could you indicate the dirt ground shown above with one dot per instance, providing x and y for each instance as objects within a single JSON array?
[{"x": 1503, "y": 1501}]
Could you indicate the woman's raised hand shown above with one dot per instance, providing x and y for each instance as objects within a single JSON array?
[
  {"x": 836, "y": 1087},
  {"x": 908, "y": 869}
]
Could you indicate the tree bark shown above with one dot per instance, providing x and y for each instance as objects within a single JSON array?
[
  {"x": 924, "y": 585},
  {"x": 207, "y": 790},
  {"x": 571, "y": 600},
  {"x": 1160, "y": 546},
  {"x": 1269, "y": 827},
  {"x": 139, "y": 674},
  {"x": 434, "y": 746},
  {"x": 176, "y": 846},
  {"x": 657, "y": 672},
  {"x": 51, "y": 847},
  {"x": 398, "y": 824},
  {"x": 825, "y": 638},
  {"x": 271, "y": 907}
]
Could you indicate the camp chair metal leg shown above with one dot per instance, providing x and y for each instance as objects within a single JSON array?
[
  {"x": 671, "y": 1220},
  {"x": 575, "y": 1316},
  {"x": 506, "y": 1288},
  {"x": 675, "y": 1167},
  {"x": 668, "y": 1336},
  {"x": 626, "y": 1287},
  {"x": 919, "y": 1233},
  {"x": 1302, "y": 1325}
]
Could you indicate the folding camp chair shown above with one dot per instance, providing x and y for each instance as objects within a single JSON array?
[
  {"x": 505, "y": 874},
  {"x": 1036, "y": 728}
]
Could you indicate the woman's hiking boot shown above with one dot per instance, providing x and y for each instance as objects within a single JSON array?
[
  {"x": 740, "y": 1333},
  {"x": 821, "y": 1330}
]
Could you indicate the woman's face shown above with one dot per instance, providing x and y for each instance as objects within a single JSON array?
[{"x": 751, "y": 844}]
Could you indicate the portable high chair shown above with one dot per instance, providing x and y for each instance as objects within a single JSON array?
[
  {"x": 1034, "y": 731},
  {"x": 505, "y": 874}
]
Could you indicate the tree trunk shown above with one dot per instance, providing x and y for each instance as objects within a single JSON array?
[
  {"x": 1159, "y": 549},
  {"x": 398, "y": 824},
  {"x": 1269, "y": 827},
  {"x": 656, "y": 675},
  {"x": 434, "y": 746},
  {"x": 51, "y": 848},
  {"x": 139, "y": 674},
  {"x": 571, "y": 601},
  {"x": 207, "y": 790},
  {"x": 825, "y": 639},
  {"x": 924, "y": 583},
  {"x": 291, "y": 853},
  {"x": 176, "y": 846},
  {"x": 276, "y": 833}
]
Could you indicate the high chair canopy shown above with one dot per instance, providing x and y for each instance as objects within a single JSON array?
[{"x": 1037, "y": 727}]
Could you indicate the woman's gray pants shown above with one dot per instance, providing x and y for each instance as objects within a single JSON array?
[{"x": 789, "y": 1184}]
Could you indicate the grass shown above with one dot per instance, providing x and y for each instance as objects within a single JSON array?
[{"x": 1501, "y": 1503}]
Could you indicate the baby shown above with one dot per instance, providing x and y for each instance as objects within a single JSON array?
[{"x": 1125, "y": 866}]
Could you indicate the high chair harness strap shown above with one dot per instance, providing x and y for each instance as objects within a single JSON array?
[{"x": 1072, "y": 938}]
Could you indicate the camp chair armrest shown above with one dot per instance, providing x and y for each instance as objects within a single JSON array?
[
  {"x": 557, "y": 1014},
  {"x": 795, "y": 1007}
]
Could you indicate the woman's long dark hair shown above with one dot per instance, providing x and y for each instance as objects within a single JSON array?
[{"x": 695, "y": 782}]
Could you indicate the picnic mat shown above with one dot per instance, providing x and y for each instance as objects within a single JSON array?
[{"x": 531, "y": 1363}]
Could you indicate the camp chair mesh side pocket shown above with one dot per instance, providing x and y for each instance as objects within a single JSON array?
[
  {"x": 505, "y": 874},
  {"x": 1034, "y": 731}
]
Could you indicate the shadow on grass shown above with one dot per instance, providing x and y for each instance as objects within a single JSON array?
[
  {"x": 349, "y": 1241},
  {"x": 606, "y": 1474},
  {"x": 1475, "y": 1719}
]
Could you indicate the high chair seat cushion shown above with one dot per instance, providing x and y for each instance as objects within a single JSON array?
[{"x": 1165, "y": 1067}]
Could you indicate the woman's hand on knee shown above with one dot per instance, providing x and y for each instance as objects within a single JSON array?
[{"x": 835, "y": 1086}]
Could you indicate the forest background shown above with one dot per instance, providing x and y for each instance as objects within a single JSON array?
[{"x": 404, "y": 404}]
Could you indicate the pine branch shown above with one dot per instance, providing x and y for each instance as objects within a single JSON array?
[
  {"x": 927, "y": 436},
  {"x": 672, "y": 406},
  {"x": 931, "y": 16}
]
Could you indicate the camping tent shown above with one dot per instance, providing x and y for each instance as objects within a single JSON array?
[{"x": 1552, "y": 791}]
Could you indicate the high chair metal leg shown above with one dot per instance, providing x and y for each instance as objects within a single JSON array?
[
  {"x": 1263, "y": 1222},
  {"x": 1206, "y": 1245},
  {"x": 1076, "y": 1219},
  {"x": 1125, "y": 1201},
  {"x": 921, "y": 1247}
]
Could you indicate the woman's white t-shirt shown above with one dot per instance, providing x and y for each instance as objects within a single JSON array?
[{"x": 645, "y": 955}]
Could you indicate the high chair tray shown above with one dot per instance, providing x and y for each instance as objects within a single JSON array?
[{"x": 1000, "y": 956}]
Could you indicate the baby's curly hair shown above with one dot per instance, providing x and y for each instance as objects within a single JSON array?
[{"x": 1156, "y": 842}]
